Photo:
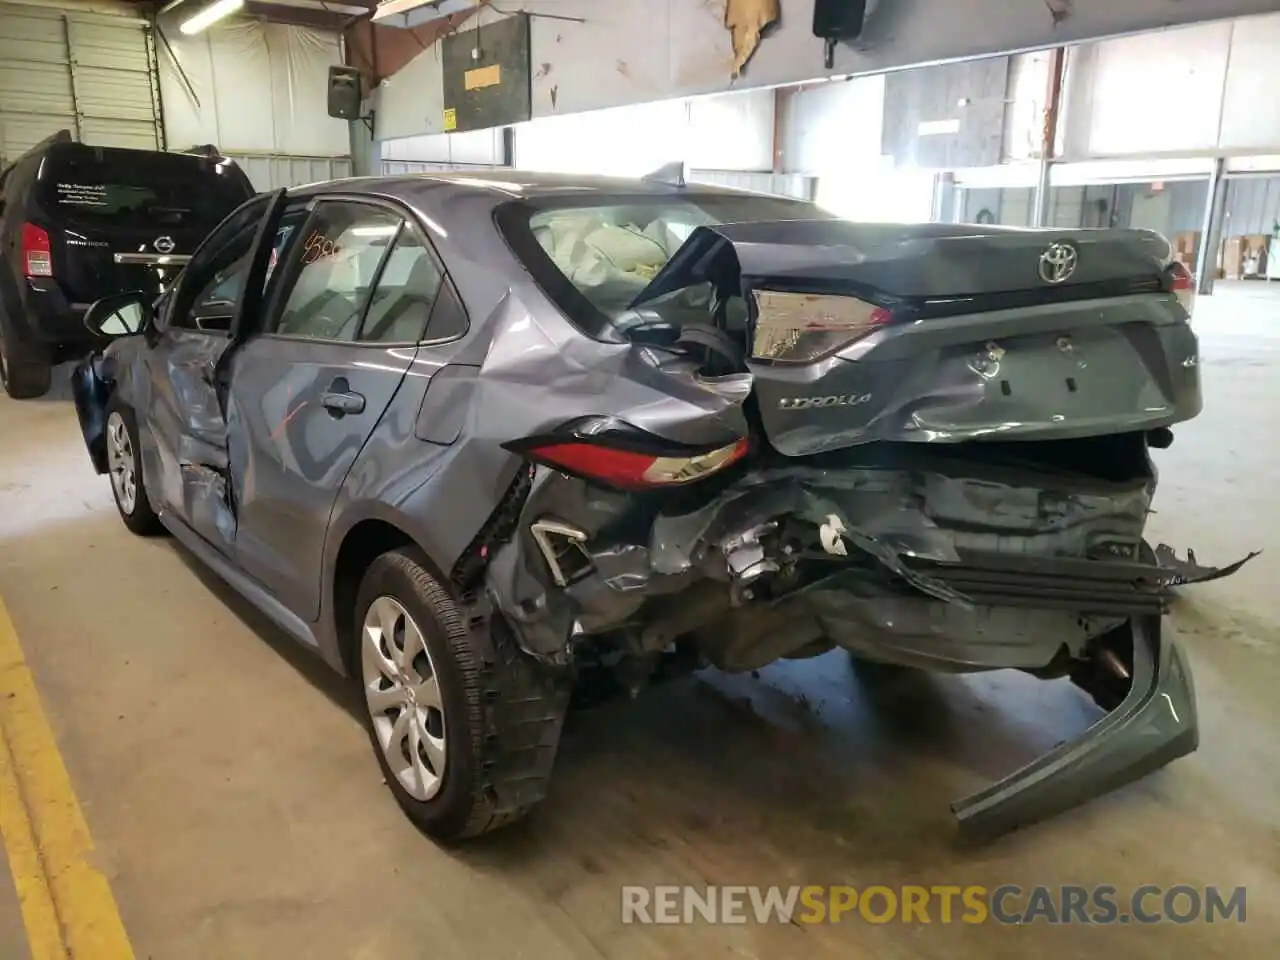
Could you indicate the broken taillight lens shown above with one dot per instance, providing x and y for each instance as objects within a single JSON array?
[
  {"x": 625, "y": 464},
  {"x": 803, "y": 327},
  {"x": 37, "y": 252},
  {"x": 1183, "y": 286}
]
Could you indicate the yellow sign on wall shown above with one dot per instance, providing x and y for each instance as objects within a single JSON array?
[
  {"x": 480, "y": 77},
  {"x": 450, "y": 119}
]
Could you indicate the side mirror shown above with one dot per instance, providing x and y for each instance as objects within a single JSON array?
[{"x": 120, "y": 315}]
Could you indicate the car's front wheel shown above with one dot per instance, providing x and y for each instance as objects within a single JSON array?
[
  {"x": 124, "y": 465},
  {"x": 464, "y": 725}
]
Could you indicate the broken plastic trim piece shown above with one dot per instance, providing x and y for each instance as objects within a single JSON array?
[
  {"x": 1189, "y": 570},
  {"x": 543, "y": 530},
  {"x": 1154, "y": 724}
]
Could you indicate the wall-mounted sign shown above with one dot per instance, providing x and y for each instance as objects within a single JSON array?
[{"x": 487, "y": 80}]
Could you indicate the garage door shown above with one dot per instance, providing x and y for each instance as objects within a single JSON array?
[{"x": 91, "y": 74}]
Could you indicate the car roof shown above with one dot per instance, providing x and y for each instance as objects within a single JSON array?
[{"x": 502, "y": 184}]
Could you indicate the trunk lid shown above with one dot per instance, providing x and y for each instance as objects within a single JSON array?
[{"x": 946, "y": 333}]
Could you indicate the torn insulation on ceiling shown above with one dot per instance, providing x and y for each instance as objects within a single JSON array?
[{"x": 747, "y": 21}]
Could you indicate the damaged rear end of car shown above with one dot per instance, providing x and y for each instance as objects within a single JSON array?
[{"x": 927, "y": 445}]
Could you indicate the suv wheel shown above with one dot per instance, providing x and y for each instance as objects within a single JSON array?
[
  {"x": 124, "y": 465},
  {"x": 464, "y": 725},
  {"x": 25, "y": 372}
]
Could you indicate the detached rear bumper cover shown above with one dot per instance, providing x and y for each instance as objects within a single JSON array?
[
  {"x": 941, "y": 568},
  {"x": 1156, "y": 723}
]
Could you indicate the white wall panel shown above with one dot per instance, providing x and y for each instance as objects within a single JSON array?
[
  {"x": 1207, "y": 88},
  {"x": 623, "y": 141},
  {"x": 1156, "y": 93},
  {"x": 271, "y": 172},
  {"x": 473, "y": 147},
  {"x": 1251, "y": 107},
  {"x": 410, "y": 103},
  {"x": 833, "y": 125},
  {"x": 793, "y": 185},
  {"x": 733, "y": 131},
  {"x": 255, "y": 87}
]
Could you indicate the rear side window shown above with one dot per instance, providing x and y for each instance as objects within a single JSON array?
[
  {"x": 406, "y": 292},
  {"x": 109, "y": 188}
]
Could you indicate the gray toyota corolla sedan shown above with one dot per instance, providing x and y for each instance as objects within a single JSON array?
[{"x": 478, "y": 439}]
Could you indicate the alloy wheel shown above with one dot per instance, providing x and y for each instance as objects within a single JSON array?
[
  {"x": 122, "y": 464},
  {"x": 403, "y": 696}
]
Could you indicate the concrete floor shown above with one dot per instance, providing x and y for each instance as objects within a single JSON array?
[{"x": 238, "y": 813}]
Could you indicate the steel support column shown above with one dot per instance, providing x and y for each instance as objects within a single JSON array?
[
  {"x": 1211, "y": 233},
  {"x": 1048, "y": 137}
]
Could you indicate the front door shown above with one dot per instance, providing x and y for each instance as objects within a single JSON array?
[
  {"x": 184, "y": 435},
  {"x": 308, "y": 389}
]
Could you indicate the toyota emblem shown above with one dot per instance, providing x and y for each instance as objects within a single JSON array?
[
  {"x": 166, "y": 245},
  {"x": 1058, "y": 263}
]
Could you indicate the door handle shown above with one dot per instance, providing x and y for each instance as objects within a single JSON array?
[{"x": 342, "y": 402}]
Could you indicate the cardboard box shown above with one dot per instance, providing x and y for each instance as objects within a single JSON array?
[
  {"x": 1186, "y": 248},
  {"x": 1254, "y": 262},
  {"x": 1233, "y": 254}
]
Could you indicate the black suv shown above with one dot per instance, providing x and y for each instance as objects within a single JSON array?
[{"x": 79, "y": 222}]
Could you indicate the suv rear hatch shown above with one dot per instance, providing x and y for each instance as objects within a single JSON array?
[
  {"x": 856, "y": 333},
  {"x": 96, "y": 207}
]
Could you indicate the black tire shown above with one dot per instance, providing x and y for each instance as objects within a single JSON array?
[
  {"x": 141, "y": 519},
  {"x": 503, "y": 711},
  {"x": 25, "y": 369}
]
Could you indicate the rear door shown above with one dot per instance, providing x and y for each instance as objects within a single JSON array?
[{"x": 307, "y": 391}]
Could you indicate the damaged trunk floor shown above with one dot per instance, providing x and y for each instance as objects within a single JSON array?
[{"x": 227, "y": 782}]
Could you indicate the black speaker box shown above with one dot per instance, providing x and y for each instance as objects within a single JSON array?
[{"x": 345, "y": 93}]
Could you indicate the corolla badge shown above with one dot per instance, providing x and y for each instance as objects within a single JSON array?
[
  {"x": 1058, "y": 263},
  {"x": 163, "y": 244},
  {"x": 837, "y": 400}
]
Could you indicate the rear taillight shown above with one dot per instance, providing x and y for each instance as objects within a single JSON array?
[
  {"x": 1183, "y": 286},
  {"x": 37, "y": 253},
  {"x": 803, "y": 327},
  {"x": 624, "y": 463}
]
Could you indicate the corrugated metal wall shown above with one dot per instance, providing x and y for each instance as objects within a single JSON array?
[
  {"x": 1253, "y": 206},
  {"x": 88, "y": 73},
  {"x": 784, "y": 184},
  {"x": 273, "y": 171}
]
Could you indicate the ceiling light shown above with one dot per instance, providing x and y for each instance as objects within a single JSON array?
[{"x": 218, "y": 10}]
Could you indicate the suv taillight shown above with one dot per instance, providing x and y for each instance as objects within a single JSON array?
[
  {"x": 1183, "y": 286},
  {"x": 37, "y": 253}
]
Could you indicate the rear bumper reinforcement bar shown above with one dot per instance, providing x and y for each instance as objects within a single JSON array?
[
  {"x": 1154, "y": 724},
  {"x": 1120, "y": 588}
]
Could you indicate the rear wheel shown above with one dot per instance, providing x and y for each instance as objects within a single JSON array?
[
  {"x": 25, "y": 372},
  {"x": 124, "y": 465},
  {"x": 464, "y": 725}
]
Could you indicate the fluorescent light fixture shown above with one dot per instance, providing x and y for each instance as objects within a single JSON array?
[{"x": 218, "y": 10}]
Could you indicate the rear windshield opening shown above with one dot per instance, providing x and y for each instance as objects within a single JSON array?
[
  {"x": 594, "y": 255},
  {"x": 140, "y": 189}
]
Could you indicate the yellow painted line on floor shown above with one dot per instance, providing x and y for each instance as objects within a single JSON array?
[{"x": 67, "y": 905}]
